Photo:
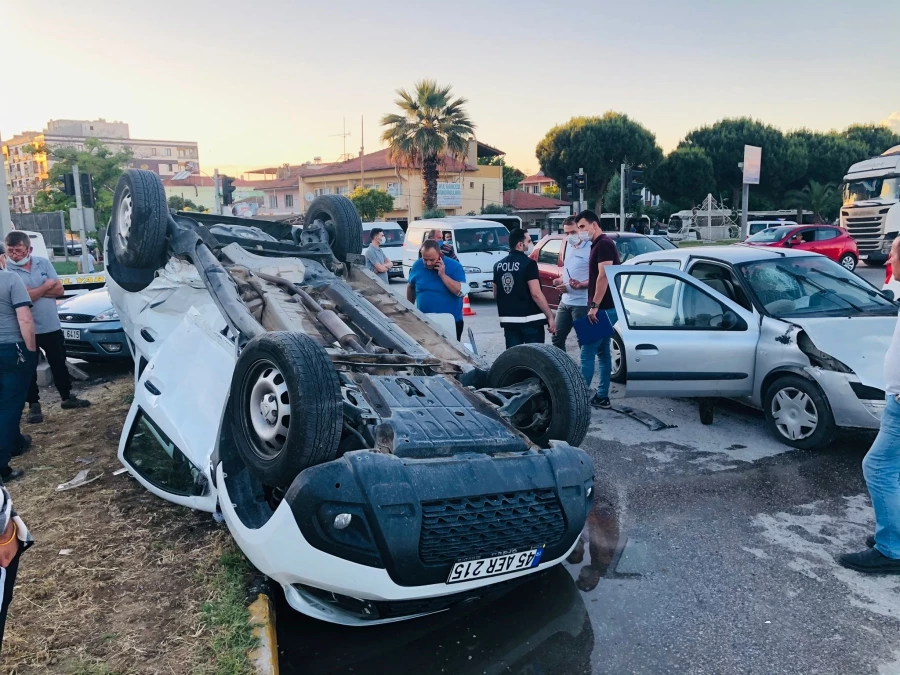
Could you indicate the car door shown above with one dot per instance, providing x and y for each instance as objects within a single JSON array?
[
  {"x": 174, "y": 420},
  {"x": 548, "y": 260},
  {"x": 681, "y": 337},
  {"x": 803, "y": 239},
  {"x": 828, "y": 242}
]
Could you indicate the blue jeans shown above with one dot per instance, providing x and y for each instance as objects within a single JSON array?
[
  {"x": 598, "y": 351},
  {"x": 15, "y": 376},
  {"x": 881, "y": 467}
]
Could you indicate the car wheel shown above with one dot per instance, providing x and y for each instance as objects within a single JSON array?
[
  {"x": 137, "y": 231},
  {"x": 848, "y": 261},
  {"x": 341, "y": 220},
  {"x": 287, "y": 413},
  {"x": 132, "y": 280},
  {"x": 798, "y": 414},
  {"x": 874, "y": 263},
  {"x": 562, "y": 412},
  {"x": 619, "y": 367}
]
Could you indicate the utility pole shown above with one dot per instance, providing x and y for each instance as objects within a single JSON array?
[
  {"x": 5, "y": 220},
  {"x": 622, "y": 198},
  {"x": 84, "y": 251},
  {"x": 218, "y": 206},
  {"x": 362, "y": 152}
]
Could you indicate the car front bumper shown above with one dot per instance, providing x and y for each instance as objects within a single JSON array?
[
  {"x": 97, "y": 341},
  {"x": 853, "y": 405},
  {"x": 411, "y": 522}
]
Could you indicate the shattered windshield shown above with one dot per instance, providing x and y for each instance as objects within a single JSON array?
[{"x": 812, "y": 286}]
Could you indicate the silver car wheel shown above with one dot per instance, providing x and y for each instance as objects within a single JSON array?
[
  {"x": 616, "y": 355},
  {"x": 123, "y": 218},
  {"x": 795, "y": 414},
  {"x": 269, "y": 408},
  {"x": 848, "y": 262}
]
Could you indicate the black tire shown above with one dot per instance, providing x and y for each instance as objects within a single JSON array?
[
  {"x": 570, "y": 412},
  {"x": 874, "y": 263},
  {"x": 128, "y": 278},
  {"x": 293, "y": 376},
  {"x": 621, "y": 375},
  {"x": 342, "y": 222},
  {"x": 137, "y": 231},
  {"x": 707, "y": 410},
  {"x": 848, "y": 262},
  {"x": 825, "y": 429}
]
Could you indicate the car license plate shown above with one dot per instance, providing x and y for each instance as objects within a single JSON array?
[
  {"x": 71, "y": 334},
  {"x": 492, "y": 567}
]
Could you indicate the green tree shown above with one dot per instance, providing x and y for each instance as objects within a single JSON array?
[
  {"x": 371, "y": 204},
  {"x": 104, "y": 165},
  {"x": 784, "y": 159},
  {"x": 683, "y": 178},
  {"x": 599, "y": 145},
  {"x": 552, "y": 192},
  {"x": 829, "y": 155},
  {"x": 434, "y": 213},
  {"x": 511, "y": 175},
  {"x": 496, "y": 209},
  {"x": 179, "y": 203},
  {"x": 822, "y": 199},
  {"x": 612, "y": 194},
  {"x": 432, "y": 125},
  {"x": 875, "y": 137}
]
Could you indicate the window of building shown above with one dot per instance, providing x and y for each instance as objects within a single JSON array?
[
  {"x": 288, "y": 201},
  {"x": 536, "y": 189},
  {"x": 153, "y": 151},
  {"x": 395, "y": 189},
  {"x": 472, "y": 185},
  {"x": 372, "y": 186},
  {"x": 341, "y": 190},
  {"x": 168, "y": 152},
  {"x": 273, "y": 201},
  {"x": 322, "y": 191}
]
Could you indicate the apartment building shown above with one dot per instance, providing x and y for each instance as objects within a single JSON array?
[
  {"x": 537, "y": 183},
  {"x": 26, "y": 171}
]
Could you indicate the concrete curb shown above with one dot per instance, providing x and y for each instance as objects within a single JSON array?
[{"x": 264, "y": 658}]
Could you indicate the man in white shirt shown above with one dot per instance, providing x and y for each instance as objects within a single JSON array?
[
  {"x": 881, "y": 467},
  {"x": 574, "y": 281}
]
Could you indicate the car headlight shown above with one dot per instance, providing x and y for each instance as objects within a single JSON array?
[
  {"x": 107, "y": 315},
  {"x": 472, "y": 270}
]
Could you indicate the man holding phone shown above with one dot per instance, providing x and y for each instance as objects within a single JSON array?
[
  {"x": 574, "y": 281},
  {"x": 436, "y": 284}
]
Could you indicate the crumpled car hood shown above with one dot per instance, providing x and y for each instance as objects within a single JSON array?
[{"x": 860, "y": 342}]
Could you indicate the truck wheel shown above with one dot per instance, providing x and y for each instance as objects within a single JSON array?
[
  {"x": 798, "y": 414},
  {"x": 562, "y": 412},
  {"x": 873, "y": 263},
  {"x": 287, "y": 413},
  {"x": 341, "y": 221},
  {"x": 137, "y": 231},
  {"x": 617, "y": 352}
]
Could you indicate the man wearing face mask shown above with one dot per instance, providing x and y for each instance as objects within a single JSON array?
[
  {"x": 521, "y": 304},
  {"x": 376, "y": 259},
  {"x": 43, "y": 287},
  {"x": 436, "y": 284},
  {"x": 574, "y": 281}
]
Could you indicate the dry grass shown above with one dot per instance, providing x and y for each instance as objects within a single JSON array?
[{"x": 143, "y": 590}]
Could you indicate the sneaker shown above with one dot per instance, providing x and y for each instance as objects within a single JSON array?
[
  {"x": 23, "y": 446},
  {"x": 74, "y": 402},
  {"x": 870, "y": 561},
  {"x": 9, "y": 474},
  {"x": 35, "y": 414},
  {"x": 870, "y": 541},
  {"x": 600, "y": 402}
]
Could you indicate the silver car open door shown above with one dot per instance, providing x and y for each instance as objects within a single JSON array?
[{"x": 680, "y": 337}]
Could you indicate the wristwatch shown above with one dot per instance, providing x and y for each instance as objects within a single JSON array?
[{"x": 593, "y": 305}]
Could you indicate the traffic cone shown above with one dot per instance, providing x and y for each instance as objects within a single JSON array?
[{"x": 467, "y": 308}]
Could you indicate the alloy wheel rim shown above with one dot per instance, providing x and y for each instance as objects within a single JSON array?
[
  {"x": 616, "y": 355},
  {"x": 848, "y": 263},
  {"x": 123, "y": 217},
  {"x": 795, "y": 414}
]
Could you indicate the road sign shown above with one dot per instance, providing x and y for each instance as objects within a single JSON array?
[{"x": 752, "y": 164}]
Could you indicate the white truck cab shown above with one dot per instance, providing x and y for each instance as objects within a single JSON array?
[{"x": 872, "y": 188}]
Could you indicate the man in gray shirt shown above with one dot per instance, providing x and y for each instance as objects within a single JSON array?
[
  {"x": 376, "y": 260},
  {"x": 18, "y": 358},
  {"x": 43, "y": 287}
]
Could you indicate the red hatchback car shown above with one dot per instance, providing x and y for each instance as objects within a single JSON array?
[
  {"x": 550, "y": 252},
  {"x": 832, "y": 242}
]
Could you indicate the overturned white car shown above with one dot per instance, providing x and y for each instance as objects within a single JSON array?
[{"x": 360, "y": 458}]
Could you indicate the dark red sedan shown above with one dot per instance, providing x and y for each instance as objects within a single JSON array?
[
  {"x": 828, "y": 240},
  {"x": 550, "y": 253}
]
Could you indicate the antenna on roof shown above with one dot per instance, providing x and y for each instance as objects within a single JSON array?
[{"x": 344, "y": 156}]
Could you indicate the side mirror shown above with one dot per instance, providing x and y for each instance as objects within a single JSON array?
[
  {"x": 788, "y": 243},
  {"x": 889, "y": 294},
  {"x": 730, "y": 320}
]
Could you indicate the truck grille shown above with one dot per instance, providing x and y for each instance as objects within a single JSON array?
[
  {"x": 866, "y": 230},
  {"x": 481, "y": 526}
]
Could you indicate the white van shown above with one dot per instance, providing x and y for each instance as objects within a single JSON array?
[
  {"x": 478, "y": 245},
  {"x": 757, "y": 226},
  {"x": 393, "y": 244}
]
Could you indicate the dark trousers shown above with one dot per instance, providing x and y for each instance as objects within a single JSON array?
[
  {"x": 520, "y": 334},
  {"x": 55, "y": 349},
  {"x": 17, "y": 366},
  {"x": 8, "y": 585},
  {"x": 565, "y": 315},
  {"x": 459, "y": 330}
]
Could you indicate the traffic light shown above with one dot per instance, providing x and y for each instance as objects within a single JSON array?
[
  {"x": 68, "y": 181},
  {"x": 633, "y": 189},
  {"x": 569, "y": 187},
  {"x": 580, "y": 181},
  {"x": 227, "y": 190},
  {"x": 87, "y": 189}
]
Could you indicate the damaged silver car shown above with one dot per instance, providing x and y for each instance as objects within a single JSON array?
[{"x": 790, "y": 332}]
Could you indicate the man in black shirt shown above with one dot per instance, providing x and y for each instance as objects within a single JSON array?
[
  {"x": 603, "y": 253},
  {"x": 521, "y": 304}
]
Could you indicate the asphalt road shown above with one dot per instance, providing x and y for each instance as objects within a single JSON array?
[{"x": 710, "y": 549}]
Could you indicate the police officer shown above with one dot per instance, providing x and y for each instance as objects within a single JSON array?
[{"x": 521, "y": 304}]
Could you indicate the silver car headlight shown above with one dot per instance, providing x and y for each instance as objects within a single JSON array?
[
  {"x": 107, "y": 315},
  {"x": 472, "y": 270}
]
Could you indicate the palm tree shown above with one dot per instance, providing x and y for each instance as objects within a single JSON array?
[
  {"x": 431, "y": 126},
  {"x": 815, "y": 197}
]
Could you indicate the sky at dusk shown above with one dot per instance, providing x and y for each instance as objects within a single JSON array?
[{"x": 267, "y": 82}]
